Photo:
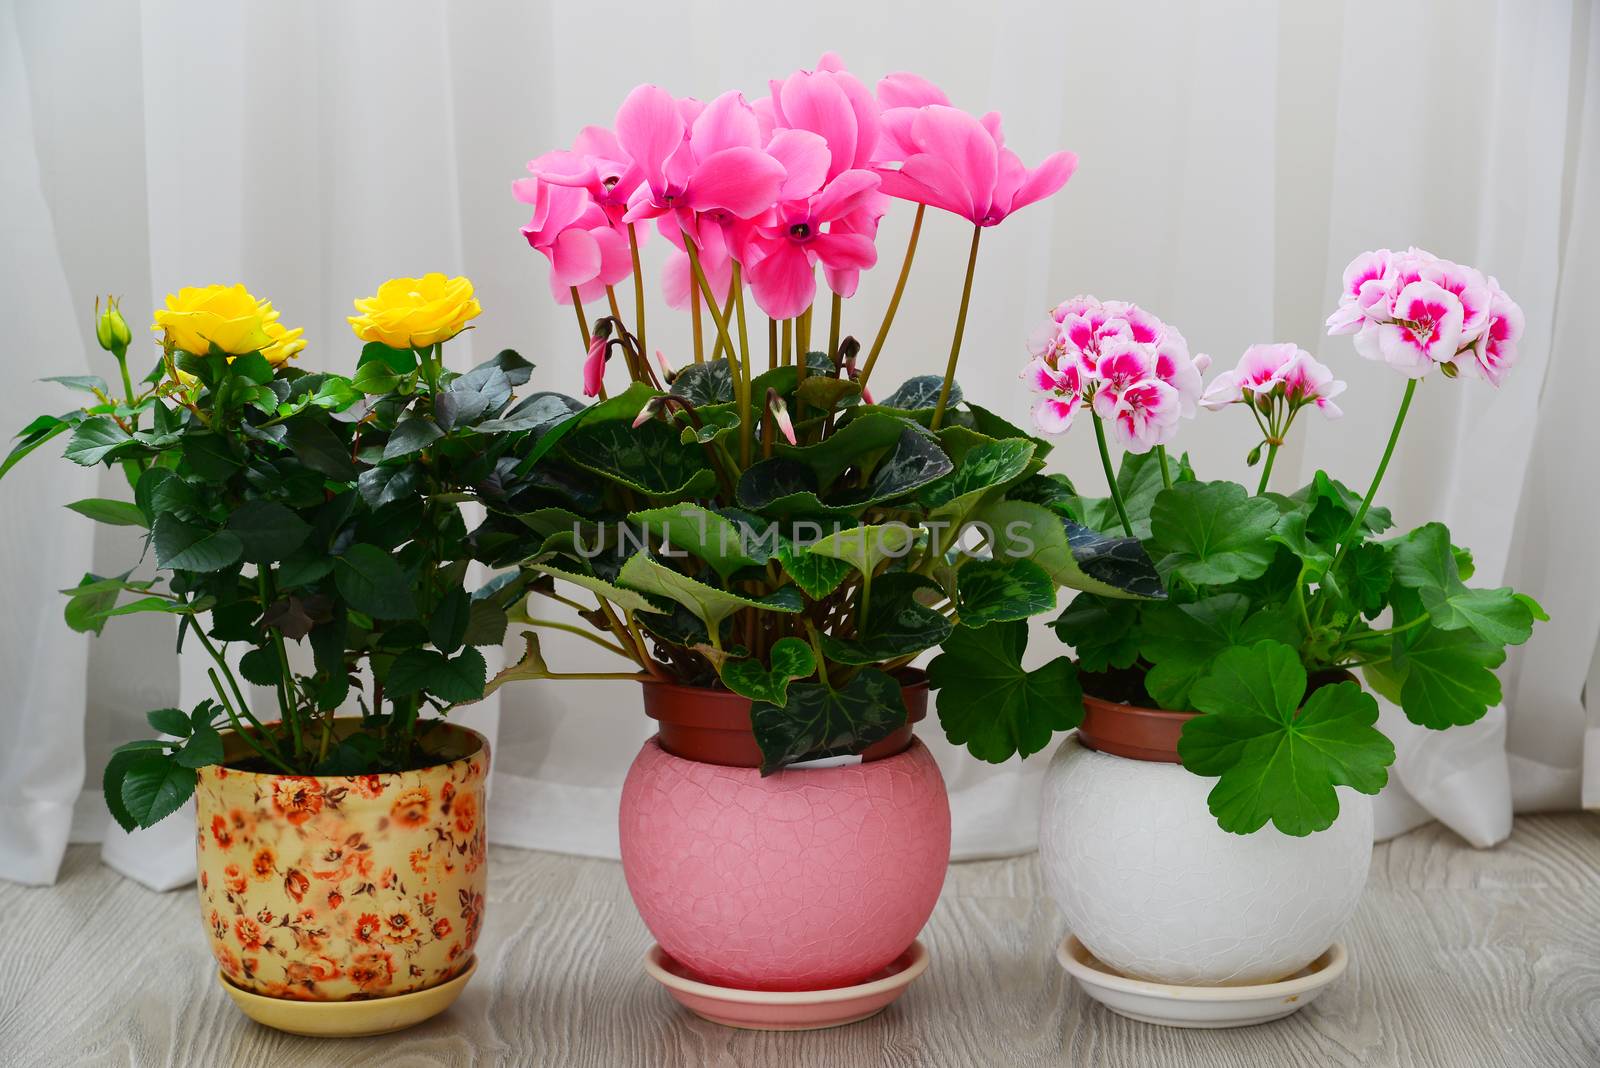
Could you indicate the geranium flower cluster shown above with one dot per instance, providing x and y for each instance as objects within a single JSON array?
[
  {"x": 776, "y": 185},
  {"x": 1133, "y": 370},
  {"x": 1416, "y": 311}
]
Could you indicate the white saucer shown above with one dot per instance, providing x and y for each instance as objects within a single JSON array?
[{"x": 1199, "y": 1006}]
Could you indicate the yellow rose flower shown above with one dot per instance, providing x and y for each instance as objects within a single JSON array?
[
  {"x": 286, "y": 344},
  {"x": 414, "y": 313},
  {"x": 225, "y": 316}
]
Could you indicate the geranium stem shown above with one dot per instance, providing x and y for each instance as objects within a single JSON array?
[
  {"x": 1377, "y": 479},
  {"x": 894, "y": 301},
  {"x": 1266, "y": 468},
  {"x": 638, "y": 293},
  {"x": 1111, "y": 476},
  {"x": 1166, "y": 473},
  {"x": 961, "y": 327}
]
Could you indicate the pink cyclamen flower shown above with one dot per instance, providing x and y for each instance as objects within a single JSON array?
[
  {"x": 1063, "y": 393},
  {"x": 784, "y": 249},
  {"x": 573, "y": 233},
  {"x": 956, "y": 162},
  {"x": 712, "y": 164},
  {"x": 598, "y": 164},
  {"x": 1425, "y": 332}
]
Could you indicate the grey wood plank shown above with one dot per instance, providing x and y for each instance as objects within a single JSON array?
[{"x": 1458, "y": 957}]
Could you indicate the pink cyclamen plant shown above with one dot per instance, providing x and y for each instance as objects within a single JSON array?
[{"x": 763, "y": 193}]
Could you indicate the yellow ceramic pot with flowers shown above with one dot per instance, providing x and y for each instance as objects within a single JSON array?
[{"x": 338, "y": 889}]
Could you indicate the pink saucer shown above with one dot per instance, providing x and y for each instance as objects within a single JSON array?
[{"x": 786, "y": 1010}]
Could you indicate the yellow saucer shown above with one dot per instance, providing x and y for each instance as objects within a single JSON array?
[{"x": 349, "y": 1019}]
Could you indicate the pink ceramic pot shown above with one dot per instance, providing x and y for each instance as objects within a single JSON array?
[{"x": 807, "y": 879}]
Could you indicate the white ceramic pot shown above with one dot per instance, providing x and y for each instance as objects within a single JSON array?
[{"x": 1155, "y": 889}]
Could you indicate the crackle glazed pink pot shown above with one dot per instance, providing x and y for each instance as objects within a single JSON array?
[{"x": 807, "y": 879}]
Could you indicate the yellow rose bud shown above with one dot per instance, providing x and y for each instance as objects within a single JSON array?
[
  {"x": 110, "y": 328},
  {"x": 415, "y": 313},
  {"x": 225, "y": 316}
]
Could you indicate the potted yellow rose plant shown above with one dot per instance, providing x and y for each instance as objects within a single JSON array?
[{"x": 341, "y": 836}]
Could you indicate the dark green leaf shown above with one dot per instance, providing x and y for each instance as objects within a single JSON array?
[
  {"x": 649, "y": 459},
  {"x": 817, "y": 575},
  {"x": 385, "y": 485},
  {"x": 400, "y": 361},
  {"x": 122, "y": 758},
  {"x": 898, "y": 622},
  {"x": 1101, "y": 631},
  {"x": 81, "y": 383},
  {"x": 1072, "y": 555},
  {"x": 184, "y": 546},
  {"x": 372, "y": 582},
  {"x": 921, "y": 392},
  {"x": 268, "y": 530},
  {"x": 447, "y": 623},
  {"x": 375, "y": 377},
  {"x": 261, "y": 666},
  {"x": 999, "y": 591},
  {"x": 97, "y": 439},
  {"x": 410, "y": 435},
  {"x": 791, "y": 659},
  {"x": 319, "y": 448},
  {"x": 705, "y": 534},
  {"x": 203, "y": 748},
  {"x": 207, "y": 454},
  {"x": 452, "y": 680},
  {"x": 703, "y": 384},
  {"x": 991, "y": 704},
  {"x": 1183, "y": 641},
  {"x": 171, "y": 721},
  {"x": 818, "y": 720}
]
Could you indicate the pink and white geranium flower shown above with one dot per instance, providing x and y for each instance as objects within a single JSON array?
[
  {"x": 1133, "y": 369},
  {"x": 1280, "y": 371},
  {"x": 1416, "y": 311}
]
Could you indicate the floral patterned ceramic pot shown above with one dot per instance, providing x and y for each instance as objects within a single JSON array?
[
  {"x": 803, "y": 880},
  {"x": 345, "y": 889}
]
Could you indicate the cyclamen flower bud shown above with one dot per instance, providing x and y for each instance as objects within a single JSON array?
[{"x": 110, "y": 328}]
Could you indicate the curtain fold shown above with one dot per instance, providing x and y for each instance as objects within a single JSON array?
[{"x": 313, "y": 150}]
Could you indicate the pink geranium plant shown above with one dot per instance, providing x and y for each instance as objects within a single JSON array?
[{"x": 1269, "y": 601}]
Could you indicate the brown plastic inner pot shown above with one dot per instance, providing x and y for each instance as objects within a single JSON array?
[
  {"x": 1151, "y": 733},
  {"x": 713, "y": 726}
]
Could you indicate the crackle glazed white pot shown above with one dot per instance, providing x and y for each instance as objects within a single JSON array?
[{"x": 1156, "y": 890}]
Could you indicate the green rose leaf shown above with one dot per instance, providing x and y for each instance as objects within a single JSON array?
[
  {"x": 453, "y": 680},
  {"x": 791, "y": 659},
  {"x": 123, "y": 758},
  {"x": 411, "y": 435},
  {"x": 1183, "y": 641},
  {"x": 376, "y": 377},
  {"x": 267, "y": 530},
  {"x": 184, "y": 546},
  {"x": 385, "y": 485},
  {"x": 998, "y": 591},
  {"x": 97, "y": 439},
  {"x": 319, "y": 448},
  {"x": 818, "y": 720},
  {"x": 32, "y": 436},
  {"x": 1274, "y": 762},
  {"x": 110, "y": 512},
  {"x": 991, "y": 704},
  {"x": 153, "y": 788},
  {"x": 371, "y": 581},
  {"x": 1211, "y": 533},
  {"x": 173, "y": 721},
  {"x": 203, "y": 748}
]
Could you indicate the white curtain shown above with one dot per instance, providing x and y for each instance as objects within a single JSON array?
[{"x": 1234, "y": 157}]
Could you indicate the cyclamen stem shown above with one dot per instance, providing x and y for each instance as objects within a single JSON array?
[
  {"x": 894, "y": 301},
  {"x": 833, "y": 327},
  {"x": 742, "y": 378},
  {"x": 638, "y": 293},
  {"x": 961, "y": 326},
  {"x": 583, "y": 321},
  {"x": 1111, "y": 476},
  {"x": 699, "y": 342},
  {"x": 705, "y": 288}
]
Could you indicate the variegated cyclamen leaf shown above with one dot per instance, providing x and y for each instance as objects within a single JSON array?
[{"x": 1073, "y": 555}]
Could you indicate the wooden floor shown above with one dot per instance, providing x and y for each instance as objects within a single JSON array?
[{"x": 1458, "y": 958}]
